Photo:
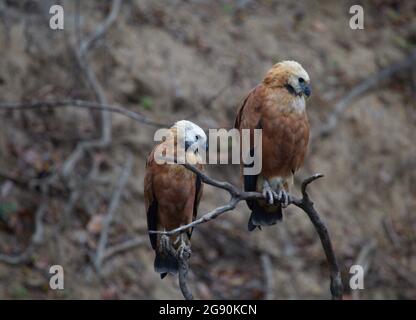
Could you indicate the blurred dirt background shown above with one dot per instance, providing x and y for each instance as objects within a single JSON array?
[{"x": 196, "y": 60}]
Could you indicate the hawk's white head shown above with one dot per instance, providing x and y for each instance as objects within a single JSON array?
[{"x": 194, "y": 137}]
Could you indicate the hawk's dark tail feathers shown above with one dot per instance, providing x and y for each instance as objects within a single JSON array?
[
  {"x": 260, "y": 217},
  {"x": 165, "y": 263}
]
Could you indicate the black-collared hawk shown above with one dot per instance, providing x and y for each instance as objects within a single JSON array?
[
  {"x": 277, "y": 106},
  {"x": 172, "y": 192}
]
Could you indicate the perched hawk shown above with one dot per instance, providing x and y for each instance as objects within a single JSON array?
[
  {"x": 277, "y": 106},
  {"x": 172, "y": 192}
]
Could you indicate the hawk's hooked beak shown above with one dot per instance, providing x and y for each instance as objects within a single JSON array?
[
  {"x": 306, "y": 89},
  {"x": 188, "y": 144}
]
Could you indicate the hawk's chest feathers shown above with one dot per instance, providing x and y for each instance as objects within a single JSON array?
[{"x": 285, "y": 134}]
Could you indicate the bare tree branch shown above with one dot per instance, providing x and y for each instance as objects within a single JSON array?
[
  {"x": 70, "y": 162},
  {"x": 391, "y": 232},
  {"x": 102, "y": 29},
  {"x": 364, "y": 86},
  {"x": 364, "y": 260},
  {"x": 115, "y": 199},
  {"x": 237, "y": 195},
  {"x": 91, "y": 78},
  {"x": 183, "y": 261},
  {"x": 18, "y": 259},
  {"x": 398, "y": 268},
  {"x": 303, "y": 203},
  {"x": 183, "y": 255},
  {"x": 81, "y": 104},
  {"x": 307, "y": 205},
  {"x": 124, "y": 246}
]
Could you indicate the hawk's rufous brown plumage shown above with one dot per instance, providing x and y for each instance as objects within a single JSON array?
[
  {"x": 172, "y": 192},
  {"x": 277, "y": 106}
]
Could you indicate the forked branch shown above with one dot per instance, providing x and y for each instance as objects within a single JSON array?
[{"x": 303, "y": 203}]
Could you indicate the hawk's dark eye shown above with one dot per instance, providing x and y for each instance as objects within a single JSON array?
[
  {"x": 197, "y": 137},
  {"x": 301, "y": 80}
]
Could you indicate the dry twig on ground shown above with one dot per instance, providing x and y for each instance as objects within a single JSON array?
[
  {"x": 124, "y": 246},
  {"x": 81, "y": 104},
  {"x": 114, "y": 202},
  {"x": 361, "y": 88},
  {"x": 364, "y": 260},
  {"x": 81, "y": 49}
]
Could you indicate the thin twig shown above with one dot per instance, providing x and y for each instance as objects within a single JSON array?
[
  {"x": 100, "y": 96},
  {"x": 364, "y": 260},
  {"x": 364, "y": 86},
  {"x": 102, "y": 29},
  {"x": 18, "y": 259},
  {"x": 69, "y": 164},
  {"x": 32, "y": 184},
  {"x": 400, "y": 270},
  {"x": 40, "y": 212},
  {"x": 123, "y": 246},
  {"x": 91, "y": 78},
  {"x": 82, "y": 104},
  {"x": 391, "y": 233},
  {"x": 115, "y": 199}
]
